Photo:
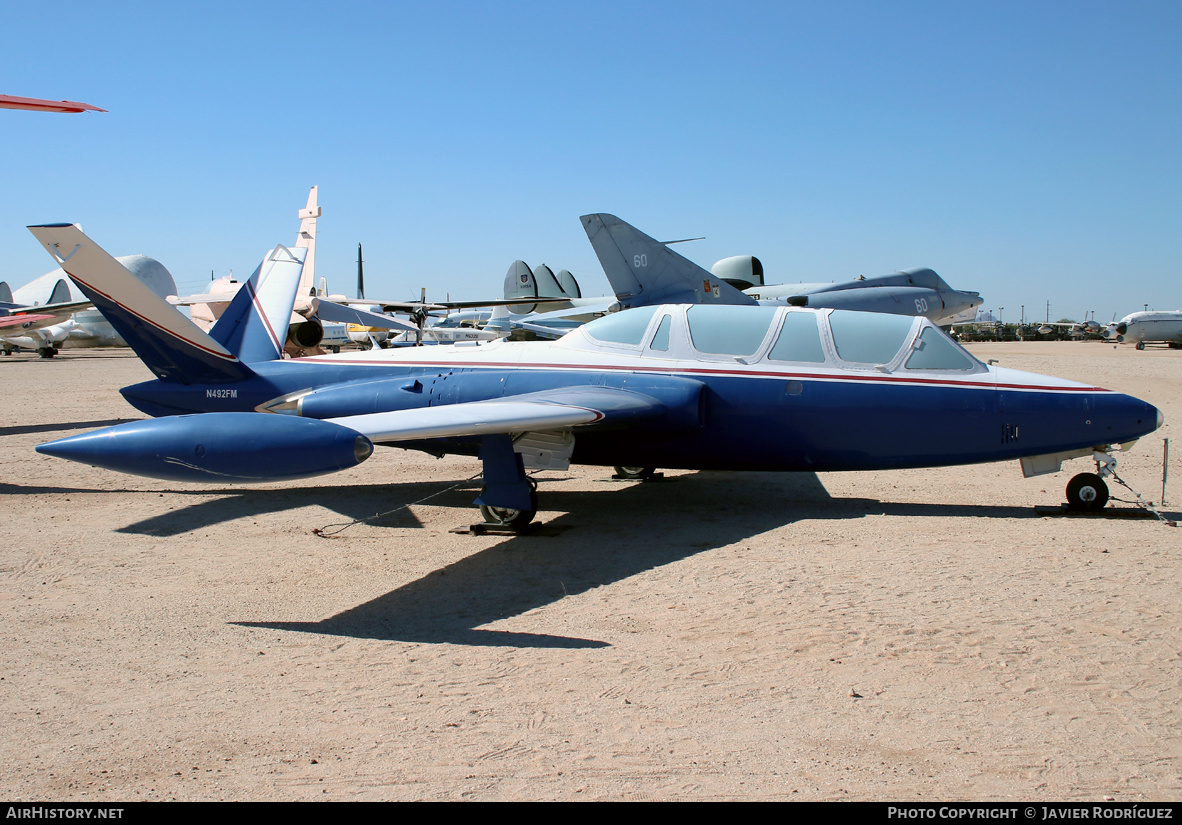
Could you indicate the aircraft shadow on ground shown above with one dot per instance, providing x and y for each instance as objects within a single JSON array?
[
  {"x": 613, "y": 537},
  {"x": 354, "y": 503},
  {"x": 53, "y": 428}
]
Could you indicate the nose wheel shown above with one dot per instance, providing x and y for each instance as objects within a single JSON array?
[{"x": 1087, "y": 492}]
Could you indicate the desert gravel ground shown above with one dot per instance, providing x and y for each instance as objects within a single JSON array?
[{"x": 918, "y": 635}]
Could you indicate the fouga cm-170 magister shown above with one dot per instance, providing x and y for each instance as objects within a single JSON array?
[{"x": 674, "y": 386}]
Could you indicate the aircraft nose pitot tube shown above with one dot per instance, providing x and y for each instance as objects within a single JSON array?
[{"x": 218, "y": 447}]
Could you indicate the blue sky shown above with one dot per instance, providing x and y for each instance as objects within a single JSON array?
[{"x": 1030, "y": 151}]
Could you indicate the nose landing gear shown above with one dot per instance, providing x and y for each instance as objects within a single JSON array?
[{"x": 1087, "y": 492}]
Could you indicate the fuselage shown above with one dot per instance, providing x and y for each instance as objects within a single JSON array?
[
  {"x": 745, "y": 388},
  {"x": 911, "y": 292},
  {"x": 1149, "y": 327}
]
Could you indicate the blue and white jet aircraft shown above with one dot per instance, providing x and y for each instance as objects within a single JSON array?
[{"x": 710, "y": 387}]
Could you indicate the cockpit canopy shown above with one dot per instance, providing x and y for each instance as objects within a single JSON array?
[{"x": 839, "y": 339}]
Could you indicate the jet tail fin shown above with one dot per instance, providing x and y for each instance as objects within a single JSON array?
[
  {"x": 254, "y": 326},
  {"x": 171, "y": 345},
  {"x": 5, "y": 293},
  {"x": 643, "y": 271}
]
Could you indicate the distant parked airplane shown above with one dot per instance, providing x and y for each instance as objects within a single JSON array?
[
  {"x": 70, "y": 319},
  {"x": 1150, "y": 327}
]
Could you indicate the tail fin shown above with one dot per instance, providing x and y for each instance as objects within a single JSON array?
[
  {"x": 643, "y": 271},
  {"x": 520, "y": 283},
  {"x": 254, "y": 326},
  {"x": 568, "y": 284},
  {"x": 61, "y": 293},
  {"x": 547, "y": 284},
  {"x": 307, "y": 240},
  {"x": 168, "y": 343},
  {"x": 5, "y": 293},
  {"x": 499, "y": 320}
]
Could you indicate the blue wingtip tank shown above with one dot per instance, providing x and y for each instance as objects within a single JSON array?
[{"x": 221, "y": 447}]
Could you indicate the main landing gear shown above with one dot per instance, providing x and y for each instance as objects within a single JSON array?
[
  {"x": 509, "y": 497},
  {"x": 635, "y": 473},
  {"x": 1087, "y": 492},
  {"x": 508, "y": 516}
]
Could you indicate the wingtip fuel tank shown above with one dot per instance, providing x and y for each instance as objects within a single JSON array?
[{"x": 223, "y": 447}]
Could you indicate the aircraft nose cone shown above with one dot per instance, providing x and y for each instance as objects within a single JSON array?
[{"x": 1161, "y": 419}]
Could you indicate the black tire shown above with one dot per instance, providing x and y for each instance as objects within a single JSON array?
[
  {"x": 508, "y": 517},
  {"x": 637, "y": 473},
  {"x": 47, "y": 352},
  {"x": 1140, "y": 345},
  {"x": 1087, "y": 492}
]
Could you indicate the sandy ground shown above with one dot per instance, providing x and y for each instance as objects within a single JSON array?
[{"x": 909, "y": 635}]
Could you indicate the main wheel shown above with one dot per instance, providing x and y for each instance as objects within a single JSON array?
[
  {"x": 1140, "y": 345},
  {"x": 1088, "y": 492},
  {"x": 47, "y": 352},
  {"x": 508, "y": 517},
  {"x": 637, "y": 473}
]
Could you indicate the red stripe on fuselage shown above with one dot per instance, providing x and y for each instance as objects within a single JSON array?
[
  {"x": 149, "y": 321},
  {"x": 887, "y": 379}
]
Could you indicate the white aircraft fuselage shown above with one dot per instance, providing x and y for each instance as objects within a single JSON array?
[{"x": 1152, "y": 327}]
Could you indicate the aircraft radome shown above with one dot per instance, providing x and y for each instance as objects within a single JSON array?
[{"x": 676, "y": 386}]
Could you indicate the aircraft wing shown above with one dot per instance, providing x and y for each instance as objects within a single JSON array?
[
  {"x": 540, "y": 324},
  {"x": 37, "y": 104},
  {"x": 557, "y": 409},
  {"x": 601, "y": 308},
  {"x": 342, "y": 314},
  {"x": 36, "y": 317},
  {"x": 201, "y": 298},
  {"x": 25, "y": 320},
  {"x": 438, "y": 306}
]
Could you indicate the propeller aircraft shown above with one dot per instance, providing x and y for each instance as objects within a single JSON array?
[{"x": 1148, "y": 327}]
